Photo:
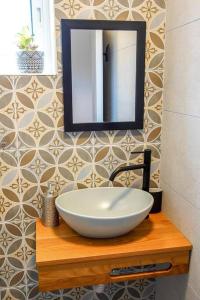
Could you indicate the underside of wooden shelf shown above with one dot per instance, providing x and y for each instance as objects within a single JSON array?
[{"x": 65, "y": 259}]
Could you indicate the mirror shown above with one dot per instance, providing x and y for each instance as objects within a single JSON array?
[{"x": 103, "y": 74}]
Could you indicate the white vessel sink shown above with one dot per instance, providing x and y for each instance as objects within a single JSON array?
[{"x": 104, "y": 212}]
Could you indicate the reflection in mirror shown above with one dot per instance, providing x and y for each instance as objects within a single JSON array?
[{"x": 103, "y": 75}]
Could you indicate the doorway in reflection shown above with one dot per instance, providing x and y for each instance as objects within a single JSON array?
[
  {"x": 103, "y": 75},
  {"x": 119, "y": 75}
]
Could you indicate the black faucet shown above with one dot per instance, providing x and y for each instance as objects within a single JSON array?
[{"x": 146, "y": 166}]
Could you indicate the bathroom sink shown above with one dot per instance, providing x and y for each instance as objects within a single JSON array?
[{"x": 104, "y": 212}]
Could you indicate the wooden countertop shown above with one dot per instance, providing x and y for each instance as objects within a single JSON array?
[{"x": 155, "y": 240}]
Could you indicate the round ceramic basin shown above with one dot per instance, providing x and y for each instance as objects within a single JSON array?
[{"x": 104, "y": 212}]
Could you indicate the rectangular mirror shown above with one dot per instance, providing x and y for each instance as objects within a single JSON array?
[{"x": 103, "y": 74}]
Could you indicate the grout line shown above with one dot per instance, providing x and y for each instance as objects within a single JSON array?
[
  {"x": 196, "y": 294},
  {"x": 182, "y": 114},
  {"x": 179, "y": 194},
  {"x": 183, "y": 25}
]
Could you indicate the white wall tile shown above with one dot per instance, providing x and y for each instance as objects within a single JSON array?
[
  {"x": 183, "y": 214},
  {"x": 186, "y": 218},
  {"x": 171, "y": 288},
  {"x": 180, "y": 163},
  {"x": 182, "y": 76},
  {"x": 194, "y": 273},
  {"x": 191, "y": 294},
  {"x": 180, "y": 12}
]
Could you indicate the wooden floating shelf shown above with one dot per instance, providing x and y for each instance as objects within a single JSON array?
[{"x": 65, "y": 259}]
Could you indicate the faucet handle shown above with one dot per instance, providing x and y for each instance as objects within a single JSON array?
[
  {"x": 140, "y": 152},
  {"x": 137, "y": 152}
]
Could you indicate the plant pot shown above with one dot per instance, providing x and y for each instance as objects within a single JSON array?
[{"x": 30, "y": 61}]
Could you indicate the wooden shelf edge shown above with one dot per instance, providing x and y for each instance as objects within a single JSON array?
[
  {"x": 73, "y": 275},
  {"x": 118, "y": 256}
]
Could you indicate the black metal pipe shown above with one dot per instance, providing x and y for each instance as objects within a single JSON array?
[{"x": 147, "y": 169}]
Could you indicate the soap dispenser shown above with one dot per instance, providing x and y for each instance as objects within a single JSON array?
[{"x": 50, "y": 217}]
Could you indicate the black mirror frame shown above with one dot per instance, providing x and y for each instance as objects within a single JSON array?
[{"x": 138, "y": 26}]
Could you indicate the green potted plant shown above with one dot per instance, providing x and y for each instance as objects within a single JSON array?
[{"x": 29, "y": 59}]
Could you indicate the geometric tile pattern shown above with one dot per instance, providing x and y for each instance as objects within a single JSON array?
[
  {"x": 37, "y": 151},
  {"x": 140, "y": 289}
]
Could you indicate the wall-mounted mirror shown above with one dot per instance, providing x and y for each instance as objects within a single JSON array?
[{"x": 103, "y": 74}]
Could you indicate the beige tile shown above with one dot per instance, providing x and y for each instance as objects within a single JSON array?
[
  {"x": 180, "y": 164},
  {"x": 182, "y": 87},
  {"x": 180, "y": 12},
  {"x": 14, "y": 293}
]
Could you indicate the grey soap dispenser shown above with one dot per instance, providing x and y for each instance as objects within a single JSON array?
[{"x": 50, "y": 217}]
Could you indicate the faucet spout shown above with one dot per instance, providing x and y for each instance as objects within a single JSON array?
[
  {"x": 123, "y": 169},
  {"x": 146, "y": 166}
]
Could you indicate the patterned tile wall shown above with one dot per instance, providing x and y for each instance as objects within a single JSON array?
[{"x": 36, "y": 151}]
